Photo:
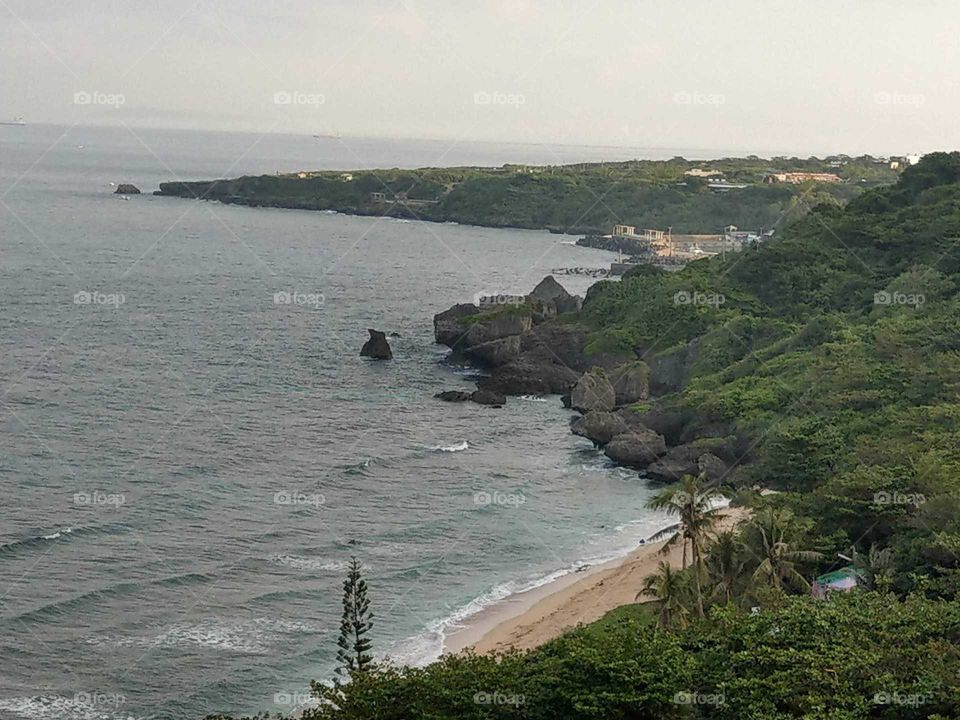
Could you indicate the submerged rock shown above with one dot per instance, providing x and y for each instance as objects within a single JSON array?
[
  {"x": 593, "y": 391},
  {"x": 454, "y": 395},
  {"x": 377, "y": 346},
  {"x": 489, "y": 397}
]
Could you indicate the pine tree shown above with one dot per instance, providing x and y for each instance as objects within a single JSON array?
[{"x": 354, "y": 649}]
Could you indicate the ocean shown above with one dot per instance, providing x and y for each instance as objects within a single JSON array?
[{"x": 192, "y": 448}]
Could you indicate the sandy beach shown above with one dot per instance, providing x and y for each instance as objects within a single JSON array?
[{"x": 529, "y": 619}]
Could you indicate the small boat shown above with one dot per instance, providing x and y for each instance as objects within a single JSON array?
[{"x": 18, "y": 120}]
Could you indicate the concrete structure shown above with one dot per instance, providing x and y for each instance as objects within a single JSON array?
[{"x": 842, "y": 580}]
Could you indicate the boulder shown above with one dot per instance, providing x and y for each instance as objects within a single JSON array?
[
  {"x": 376, "y": 347},
  {"x": 676, "y": 463},
  {"x": 126, "y": 189},
  {"x": 554, "y": 298},
  {"x": 714, "y": 468},
  {"x": 637, "y": 448},
  {"x": 668, "y": 423},
  {"x": 489, "y": 397},
  {"x": 454, "y": 395},
  {"x": 593, "y": 391},
  {"x": 528, "y": 377},
  {"x": 631, "y": 382},
  {"x": 495, "y": 352},
  {"x": 447, "y": 326},
  {"x": 599, "y": 426}
]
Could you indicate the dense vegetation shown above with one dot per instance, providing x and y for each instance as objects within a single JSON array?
[
  {"x": 833, "y": 353},
  {"x": 585, "y": 198}
]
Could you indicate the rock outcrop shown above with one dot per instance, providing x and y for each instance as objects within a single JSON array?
[
  {"x": 554, "y": 298},
  {"x": 631, "y": 382},
  {"x": 530, "y": 377},
  {"x": 447, "y": 326},
  {"x": 495, "y": 353},
  {"x": 593, "y": 391},
  {"x": 637, "y": 448},
  {"x": 126, "y": 189},
  {"x": 692, "y": 459},
  {"x": 599, "y": 426},
  {"x": 377, "y": 346},
  {"x": 499, "y": 325}
]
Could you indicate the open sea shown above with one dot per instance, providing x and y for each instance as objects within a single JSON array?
[{"x": 187, "y": 466}]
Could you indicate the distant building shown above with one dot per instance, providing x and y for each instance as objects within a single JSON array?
[
  {"x": 913, "y": 159},
  {"x": 378, "y": 197},
  {"x": 703, "y": 173},
  {"x": 795, "y": 178},
  {"x": 303, "y": 175},
  {"x": 346, "y": 177}
]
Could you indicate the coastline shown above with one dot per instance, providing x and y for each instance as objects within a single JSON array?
[{"x": 528, "y": 619}]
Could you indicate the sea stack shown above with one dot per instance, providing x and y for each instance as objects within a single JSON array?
[
  {"x": 377, "y": 346},
  {"x": 127, "y": 189}
]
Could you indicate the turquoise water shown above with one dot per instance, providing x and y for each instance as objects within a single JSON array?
[{"x": 187, "y": 465}]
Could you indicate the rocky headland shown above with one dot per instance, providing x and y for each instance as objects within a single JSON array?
[{"x": 538, "y": 345}]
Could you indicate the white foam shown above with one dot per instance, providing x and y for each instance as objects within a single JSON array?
[
  {"x": 301, "y": 562},
  {"x": 462, "y": 445},
  {"x": 58, "y": 534},
  {"x": 56, "y": 707},
  {"x": 533, "y": 398}
]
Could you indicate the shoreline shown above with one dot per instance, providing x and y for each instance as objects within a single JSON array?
[{"x": 530, "y": 618}]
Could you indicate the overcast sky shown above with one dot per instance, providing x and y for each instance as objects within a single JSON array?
[{"x": 753, "y": 75}]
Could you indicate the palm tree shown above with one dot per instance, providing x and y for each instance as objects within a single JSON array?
[
  {"x": 670, "y": 587},
  {"x": 725, "y": 562},
  {"x": 696, "y": 505},
  {"x": 875, "y": 566},
  {"x": 767, "y": 540}
]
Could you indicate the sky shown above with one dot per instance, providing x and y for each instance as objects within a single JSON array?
[{"x": 763, "y": 76}]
